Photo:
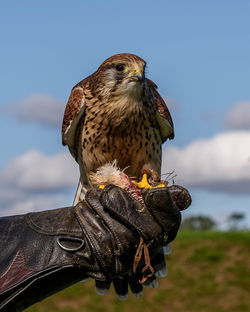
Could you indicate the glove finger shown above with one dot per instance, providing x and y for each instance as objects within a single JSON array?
[
  {"x": 151, "y": 282},
  {"x": 159, "y": 264},
  {"x": 121, "y": 287},
  {"x": 163, "y": 209},
  {"x": 102, "y": 287},
  {"x": 180, "y": 196},
  {"x": 130, "y": 212},
  {"x": 135, "y": 286}
]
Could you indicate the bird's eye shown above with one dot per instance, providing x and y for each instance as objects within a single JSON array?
[{"x": 120, "y": 68}]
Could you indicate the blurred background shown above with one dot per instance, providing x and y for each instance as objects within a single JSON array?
[{"x": 197, "y": 52}]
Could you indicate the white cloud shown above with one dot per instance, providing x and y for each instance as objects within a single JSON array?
[
  {"x": 34, "y": 181},
  {"x": 220, "y": 163},
  {"x": 239, "y": 116},
  {"x": 35, "y": 171},
  {"x": 39, "y": 107},
  {"x": 21, "y": 203}
]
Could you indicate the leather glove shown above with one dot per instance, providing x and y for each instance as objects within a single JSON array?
[
  {"x": 44, "y": 252},
  {"x": 182, "y": 200}
]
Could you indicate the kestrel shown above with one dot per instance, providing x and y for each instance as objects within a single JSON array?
[{"x": 116, "y": 114}]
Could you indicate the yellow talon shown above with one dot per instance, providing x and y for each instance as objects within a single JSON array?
[
  {"x": 101, "y": 186},
  {"x": 159, "y": 185},
  {"x": 144, "y": 183}
]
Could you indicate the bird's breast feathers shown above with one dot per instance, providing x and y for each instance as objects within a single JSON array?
[{"x": 122, "y": 131}]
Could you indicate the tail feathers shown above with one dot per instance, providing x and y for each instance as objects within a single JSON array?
[{"x": 80, "y": 193}]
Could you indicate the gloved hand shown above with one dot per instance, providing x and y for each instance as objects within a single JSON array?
[
  {"x": 44, "y": 252},
  {"x": 182, "y": 200}
]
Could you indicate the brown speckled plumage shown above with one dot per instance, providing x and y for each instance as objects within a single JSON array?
[{"x": 112, "y": 115}]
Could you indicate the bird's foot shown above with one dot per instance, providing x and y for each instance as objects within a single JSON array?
[
  {"x": 152, "y": 176},
  {"x": 145, "y": 184}
]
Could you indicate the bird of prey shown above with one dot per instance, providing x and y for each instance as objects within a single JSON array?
[{"x": 116, "y": 114}]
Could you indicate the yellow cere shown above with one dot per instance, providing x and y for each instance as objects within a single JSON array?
[{"x": 138, "y": 70}]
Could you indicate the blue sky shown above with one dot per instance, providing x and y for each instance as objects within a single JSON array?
[{"x": 197, "y": 53}]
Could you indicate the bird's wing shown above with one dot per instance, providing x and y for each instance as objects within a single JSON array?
[
  {"x": 163, "y": 116},
  {"x": 73, "y": 113}
]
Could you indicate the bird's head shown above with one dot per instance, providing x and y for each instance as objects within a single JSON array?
[{"x": 123, "y": 74}]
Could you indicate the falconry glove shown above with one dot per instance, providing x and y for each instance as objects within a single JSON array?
[
  {"x": 102, "y": 237},
  {"x": 182, "y": 200}
]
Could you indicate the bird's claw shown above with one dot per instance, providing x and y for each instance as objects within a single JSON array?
[{"x": 144, "y": 183}]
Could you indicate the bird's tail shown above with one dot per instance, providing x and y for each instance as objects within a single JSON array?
[{"x": 80, "y": 192}]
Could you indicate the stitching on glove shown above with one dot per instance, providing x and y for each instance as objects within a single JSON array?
[{"x": 17, "y": 271}]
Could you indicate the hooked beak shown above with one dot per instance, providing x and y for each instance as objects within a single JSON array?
[{"x": 138, "y": 75}]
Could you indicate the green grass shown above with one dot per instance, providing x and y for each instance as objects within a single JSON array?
[{"x": 208, "y": 271}]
